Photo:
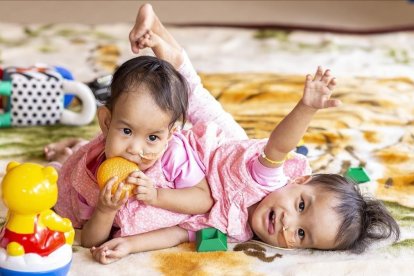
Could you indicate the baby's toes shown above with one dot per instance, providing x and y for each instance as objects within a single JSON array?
[
  {"x": 146, "y": 43},
  {"x": 67, "y": 152},
  {"x": 49, "y": 150},
  {"x": 50, "y": 154},
  {"x": 149, "y": 43},
  {"x": 140, "y": 42},
  {"x": 49, "y": 147},
  {"x": 79, "y": 145}
]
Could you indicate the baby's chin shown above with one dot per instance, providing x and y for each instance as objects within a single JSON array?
[{"x": 145, "y": 166}]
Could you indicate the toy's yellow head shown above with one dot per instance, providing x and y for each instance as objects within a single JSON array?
[{"x": 29, "y": 188}]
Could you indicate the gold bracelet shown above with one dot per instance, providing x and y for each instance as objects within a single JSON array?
[{"x": 263, "y": 155}]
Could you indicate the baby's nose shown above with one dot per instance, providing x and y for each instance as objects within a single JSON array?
[{"x": 135, "y": 148}]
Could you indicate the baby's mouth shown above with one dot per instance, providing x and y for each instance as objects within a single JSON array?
[{"x": 271, "y": 224}]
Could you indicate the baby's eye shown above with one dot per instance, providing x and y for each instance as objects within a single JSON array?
[
  {"x": 152, "y": 138},
  {"x": 301, "y": 233},
  {"x": 127, "y": 131},
  {"x": 301, "y": 206}
]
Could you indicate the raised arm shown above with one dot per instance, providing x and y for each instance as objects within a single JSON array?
[{"x": 290, "y": 130}]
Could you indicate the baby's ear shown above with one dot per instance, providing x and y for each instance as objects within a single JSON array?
[
  {"x": 302, "y": 179},
  {"x": 104, "y": 118},
  {"x": 172, "y": 130}
]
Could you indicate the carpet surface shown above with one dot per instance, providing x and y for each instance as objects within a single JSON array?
[{"x": 374, "y": 129}]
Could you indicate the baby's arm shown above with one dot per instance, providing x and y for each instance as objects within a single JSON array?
[
  {"x": 118, "y": 248},
  {"x": 98, "y": 228},
  {"x": 290, "y": 130},
  {"x": 191, "y": 200}
]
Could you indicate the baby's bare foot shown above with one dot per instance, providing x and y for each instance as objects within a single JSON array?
[
  {"x": 161, "y": 48},
  {"x": 152, "y": 40},
  {"x": 144, "y": 22},
  {"x": 61, "y": 150}
]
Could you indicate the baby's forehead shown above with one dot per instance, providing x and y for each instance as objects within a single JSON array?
[
  {"x": 324, "y": 220},
  {"x": 329, "y": 196}
]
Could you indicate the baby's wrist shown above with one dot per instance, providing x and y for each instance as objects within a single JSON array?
[
  {"x": 306, "y": 107},
  {"x": 156, "y": 199},
  {"x": 105, "y": 211}
]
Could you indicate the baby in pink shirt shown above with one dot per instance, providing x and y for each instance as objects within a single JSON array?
[
  {"x": 139, "y": 122},
  {"x": 259, "y": 187}
]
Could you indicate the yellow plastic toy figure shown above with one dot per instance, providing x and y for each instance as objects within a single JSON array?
[{"x": 34, "y": 239}]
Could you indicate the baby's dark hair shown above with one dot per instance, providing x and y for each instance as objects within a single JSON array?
[
  {"x": 364, "y": 219},
  {"x": 167, "y": 86}
]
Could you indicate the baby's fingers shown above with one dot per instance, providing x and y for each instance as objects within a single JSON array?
[
  {"x": 138, "y": 174},
  {"x": 107, "y": 191},
  {"x": 318, "y": 74},
  {"x": 118, "y": 193},
  {"x": 327, "y": 77},
  {"x": 138, "y": 178},
  {"x": 102, "y": 258},
  {"x": 141, "y": 189},
  {"x": 308, "y": 78},
  {"x": 332, "y": 103},
  {"x": 97, "y": 253},
  {"x": 132, "y": 180},
  {"x": 332, "y": 84},
  {"x": 114, "y": 254}
]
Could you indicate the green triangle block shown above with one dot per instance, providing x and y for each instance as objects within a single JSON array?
[
  {"x": 211, "y": 239},
  {"x": 358, "y": 175}
]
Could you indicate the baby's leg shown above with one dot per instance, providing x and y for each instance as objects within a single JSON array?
[
  {"x": 61, "y": 150},
  {"x": 203, "y": 107},
  {"x": 146, "y": 21}
]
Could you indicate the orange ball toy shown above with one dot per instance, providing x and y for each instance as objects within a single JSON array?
[{"x": 116, "y": 166}]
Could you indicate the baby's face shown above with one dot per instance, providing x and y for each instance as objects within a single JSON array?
[
  {"x": 138, "y": 130},
  {"x": 299, "y": 215}
]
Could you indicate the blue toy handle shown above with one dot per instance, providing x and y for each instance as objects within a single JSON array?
[{"x": 66, "y": 74}]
